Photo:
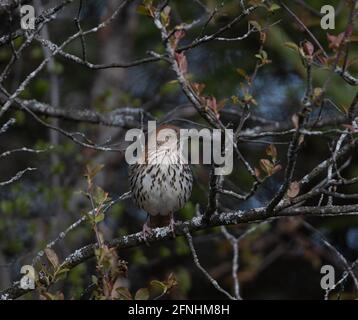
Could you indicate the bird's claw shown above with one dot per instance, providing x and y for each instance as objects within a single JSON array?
[
  {"x": 147, "y": 231},
  {"x": 172, "y": 226}
]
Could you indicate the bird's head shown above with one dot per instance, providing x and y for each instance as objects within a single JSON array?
[{"x": 167, "y": 137}]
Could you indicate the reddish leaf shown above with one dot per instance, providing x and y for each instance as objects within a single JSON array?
[
  {"x": 171, "y": 281},
  {"x": 221, "y": 105},
  {"x": 276, "y": 168},
  {"x": 295, "y": 120},
  {"x": 355, "y": 125},
  {"x": 263, "y": 37},
  {"x": 212, "y": 103},
  {"x": 301, "y": 139},
  {"x": 293, "y": 190},
  {"x": 257, "y": 172},
  {"x": 267, "y": 166},
  {"x": 178, "y": 35},
  {"x": 308, "y": 49},
  {"x": 272, "y": 152},
  {"x": 198, "y": 87},
  {"x": 347, "y": 126},
  {"x": 352, "y": 127},
  {"x": 182, "y": 62},
  {"x": 335, "y": 41},
  {"x": 322, "y": 59}
]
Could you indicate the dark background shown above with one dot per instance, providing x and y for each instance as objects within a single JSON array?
[{"x": 279, "y": 260}]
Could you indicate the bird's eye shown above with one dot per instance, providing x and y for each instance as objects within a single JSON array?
[{"x": 166, "y": 139}]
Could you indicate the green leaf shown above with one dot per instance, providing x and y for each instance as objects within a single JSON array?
[
  {"x": 99, "y": 196},
  {"x": 142, "y": 294},
  {"x": 165, "y": 16},
  {"x": 97, "y": 169},
  {"x": 157, "y": 288},
  {"x": 291, "y": 45},
  {"x": 124, "y": 294},
  {"x": 255, "y": 24},
  {"x": 143, "y": 10},
  {"x": 61, "y": 274},
  {"x": 235, "y": 100},
  {"x": 264, "y": 54},
  {"x": 64, "y": 270},
  {"x": 99, "y": 218},
  {"x": 274, "y": 7},
  {"x": 170, "y": 87},
  {"x": 52, "y": 257}
]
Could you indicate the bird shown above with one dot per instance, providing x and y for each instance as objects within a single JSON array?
[{"x": 161, "y": 181}]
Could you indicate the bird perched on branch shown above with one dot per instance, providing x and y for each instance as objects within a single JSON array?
[{"x": 161, "y": 183}]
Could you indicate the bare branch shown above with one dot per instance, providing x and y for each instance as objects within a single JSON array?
[
  {"x": 193, "y": 225},
  {"x": 200, "y": 267},
  {"x": 16, "y": 177}
]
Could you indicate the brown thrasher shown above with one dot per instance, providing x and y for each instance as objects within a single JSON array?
[{"x": 162, "y": 183}]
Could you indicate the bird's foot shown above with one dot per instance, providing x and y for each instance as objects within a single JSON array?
[
  {"x": 146, "y": 232},
  {"x": 172, "y": 226}
]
